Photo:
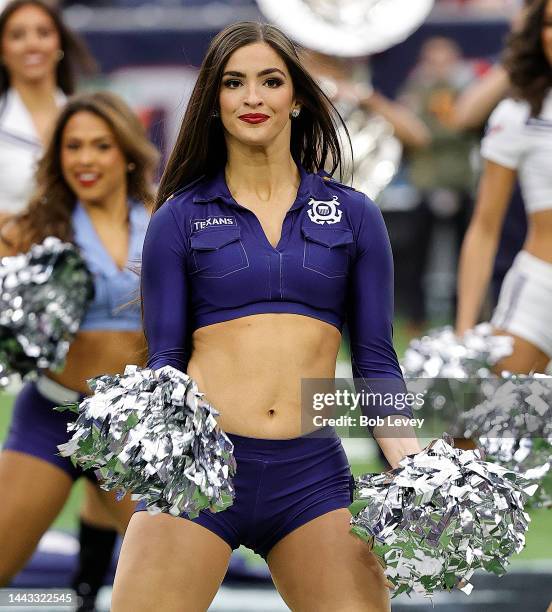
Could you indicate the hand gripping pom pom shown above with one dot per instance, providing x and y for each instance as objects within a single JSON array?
[
  {"x": 151, "y": 433},
  {"x": 441, "y": 515},
  {"x": 44, "y": 294}
]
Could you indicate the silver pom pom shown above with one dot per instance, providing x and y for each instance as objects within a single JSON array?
[
  {"x": 442, "y": 354},
  {"x": 514, "y": 428},
  {"x": 449, "y": 369},
  {"x": 440, "y": 516},
  {"x": 152, "y": 433},
  {"x": 44, "y": 294}
]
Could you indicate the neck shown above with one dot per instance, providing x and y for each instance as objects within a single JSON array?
[
  {"x": 112, "y": 210},
  {"x": 261, "y": 172},
  {"x": 36, "y": 94}
]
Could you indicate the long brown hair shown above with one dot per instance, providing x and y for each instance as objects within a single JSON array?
[
  {"x": 524, "y": 58},
  {"x": 201, "y": 149},
  {"x": 50, "y": 208},
  {"x": 76, "y": 56}
]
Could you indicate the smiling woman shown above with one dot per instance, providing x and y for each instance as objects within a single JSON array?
[
  {"x": 93, "y": 189},
  {"x": 38, "y": 59},
  {"x": 252, "y": 261}
]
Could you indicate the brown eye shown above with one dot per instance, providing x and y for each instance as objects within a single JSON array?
[
  {"x": 45, "y": 32},
  {"x": 273, "y": 82},
  {"x": 16, "y": 34},
  {"x": 232, "y": 83}
]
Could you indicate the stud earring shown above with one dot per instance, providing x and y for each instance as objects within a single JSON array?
[
  {"x": 215, "y": 114},
  {"x": 295, "y": 113},
  {"x": 131, "y": 166},
  {"x": 60, "y": 55}
]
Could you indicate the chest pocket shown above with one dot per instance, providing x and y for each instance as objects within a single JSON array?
[
  {"x": 217, "y": 253},
  {"x": 327, "y": 250}
]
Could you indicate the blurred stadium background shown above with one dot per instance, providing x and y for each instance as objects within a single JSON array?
[{"x": 149, "y": 53}]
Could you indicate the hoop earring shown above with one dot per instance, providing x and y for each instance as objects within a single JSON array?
[{"x": 131, "y": 167}]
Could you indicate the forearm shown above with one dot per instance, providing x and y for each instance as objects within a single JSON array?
[
  {"x": 396, "y": 441},
  {"x": 409, "y": 129},
  {"x": 474, "y": 273},
  {"x": 473, "y": 107}
]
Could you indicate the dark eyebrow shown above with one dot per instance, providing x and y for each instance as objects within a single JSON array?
[
  {"x": 262, "y": 73},
  {"x": 107, "y": 137}
]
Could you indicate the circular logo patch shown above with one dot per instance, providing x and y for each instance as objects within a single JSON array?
[{"x": 324, "y": 212}]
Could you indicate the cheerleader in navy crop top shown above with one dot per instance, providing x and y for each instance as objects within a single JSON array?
[
  {"x": 95, "y": 202},
  {"x": 250, "y": 311},
  {"x": 205, "y": 261}
]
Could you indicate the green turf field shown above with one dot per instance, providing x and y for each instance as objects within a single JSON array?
[{"x": 538, "y": 537}]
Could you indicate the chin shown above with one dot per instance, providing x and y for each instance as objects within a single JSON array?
[
  {"x": 36, "y": 75},
  {"x": 256, "y": 139},
  {"x": 88, "y": 195}
]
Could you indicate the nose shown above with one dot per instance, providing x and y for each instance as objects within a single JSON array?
[
  {"x": 85, "y": 156},
  {"x": 253, "y": 98},
  {"x": 33, "y": 41}
]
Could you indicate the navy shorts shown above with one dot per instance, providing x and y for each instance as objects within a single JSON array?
[
  {"x": 280, "y": 485},
  {"x": 36, "y": 429}
]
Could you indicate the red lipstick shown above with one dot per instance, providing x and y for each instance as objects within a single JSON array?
[{"x": 254, "y": 118}]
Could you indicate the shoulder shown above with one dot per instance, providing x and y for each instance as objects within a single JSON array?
[
  {"x": 333, "y": 184},
  {"x": 510, "y": 112},
  {"x": 362, "y": 214},
  {"x": 357, "y": 203},
  {"x": 344, "y": 193},
  {"x": 173, "y": 216},
  {"x": 140, "y": 214},
  {"x": 180, "y": 203},
  {"x": 188, "y": 192},
  {"x": 506, "y": 137}
]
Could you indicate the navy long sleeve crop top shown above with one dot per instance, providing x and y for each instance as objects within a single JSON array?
[{"x": 206, "y": 259}]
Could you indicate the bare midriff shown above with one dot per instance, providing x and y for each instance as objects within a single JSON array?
[
  {"x": 97, "y": 352},
  {"x": 251, "y": 369},
  {"x": 539, "y": 235}
]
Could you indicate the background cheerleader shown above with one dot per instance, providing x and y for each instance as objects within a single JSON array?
[
  {"x": 39, "y": 56},
  {"x": 517, "y": 141},
  {"x": 93, "y": 189}
]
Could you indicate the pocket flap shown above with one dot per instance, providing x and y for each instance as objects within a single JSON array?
[
  {"x": 214, "y": 239},
  {"x": 328, "y": 237}
]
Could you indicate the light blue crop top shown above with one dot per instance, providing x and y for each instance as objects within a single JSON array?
[{"x": 113, "y": 288}]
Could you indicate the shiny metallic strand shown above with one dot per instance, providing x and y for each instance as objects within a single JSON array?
[
  {"x": 442, "y": 354},
  {"x": 514, "y": 428},
  {"x": 449, "y": 368},
  {"x": 441, "y": 515},
  {"x": 151, "y": 433},
  {"x": 44, "y": 294}
]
